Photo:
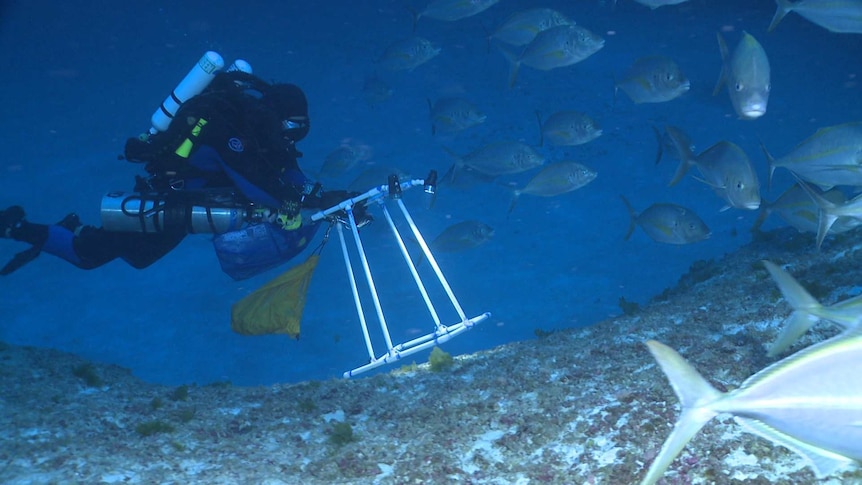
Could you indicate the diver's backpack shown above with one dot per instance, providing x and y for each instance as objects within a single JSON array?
[{"x": 229, "y": 99}]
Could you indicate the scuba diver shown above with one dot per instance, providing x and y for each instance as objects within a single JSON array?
[{"x": 225, "y": 162}]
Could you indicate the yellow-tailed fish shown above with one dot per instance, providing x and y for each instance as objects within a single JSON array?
[
  {"x": 555, "y": 179},
  {"x": 727, "y": 169},
  {"x": 376, "y": 91},
  {"x": 807, "y": 311},
  {"x": 407, "y": 54},
  {"x": 830, "y": 212},
  {"x": 667, "y": 223},
  {"x": 795, "y": 207},
  {"x": 840, "y": 16},
  {"x": 746, "y": 73},
  {"x": 459, "y": 237},
  {"x": 654, "y": 79},
  {"x": 558, "y": 46},
  {"x": 344, "y": 158},
  {"x": 454, "y": 114},
  {"x": 673, "y": 140},
  {"x": 452, "y": 10},
  {"x": 810, "y": 403},
  {"x": 568, "y": 128},
  {"x": 724, "y": 166},
  {"x": 831, "y": 156},
  {"x": 654, "y": 4},
  {"x": 375, "y": 176},
  {"x": 499, "y": 158},
  {"x": 523, "y": 26}
]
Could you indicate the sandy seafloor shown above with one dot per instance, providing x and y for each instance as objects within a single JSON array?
[{"x": 576, "y": 406}]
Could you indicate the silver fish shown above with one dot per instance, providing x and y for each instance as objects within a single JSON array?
[
  {"x": 522, "y": 27},
  {"x": 727, "y": 169},
  {"x": 454, "y": 114},
  {"x": 668, "y": 223},
  {"x": 840, "y": 16},
  {"x": 654, "y": 4},
  {"x": 807, "y": 311},
  {"x": 375, "y": 91},
  {"x": 654, "y": 79},
  {"x": 746, "y": 74},
  {"x": 831, "y": 156},
  {"x": 675, "y": 141},
  {"x": 568, "y": 128},
  {"x": 451, "y": 10},
  {"x": 830, "y": 212},
  {"x": 555, "y": 179},
  {"x": 407, "y": 54},
  {"x": 344, "y": 158},
  {"x": 724, "y": 166},
  {"x": 558, "y": 46},
  {"x": 462, "y": 236},
  {"x": 375, "y": 176},
  {"x": 499, "y": 158},
  {"x": 810, "y": 403},
  {"x": 796, "y": 208}
]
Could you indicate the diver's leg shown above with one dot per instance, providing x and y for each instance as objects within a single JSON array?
[{"x": 86, "y": 247}]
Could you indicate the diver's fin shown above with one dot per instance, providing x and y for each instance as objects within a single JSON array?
[{"x": 21, "y": 259}]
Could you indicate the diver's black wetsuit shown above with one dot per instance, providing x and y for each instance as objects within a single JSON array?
[{"x": 238, "y": 135}]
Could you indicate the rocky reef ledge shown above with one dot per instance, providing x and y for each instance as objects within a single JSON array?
[{"x": 576, "y": 406}]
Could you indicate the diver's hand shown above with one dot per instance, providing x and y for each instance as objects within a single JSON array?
[
  {"x": 331, "y": 198},
  {"x": 360, "y": 215}
]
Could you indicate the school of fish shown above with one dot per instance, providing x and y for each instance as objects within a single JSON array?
[{"x": 809, "y": 402}]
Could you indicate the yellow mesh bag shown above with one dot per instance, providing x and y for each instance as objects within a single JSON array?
[{"x": 277, "y": 306}]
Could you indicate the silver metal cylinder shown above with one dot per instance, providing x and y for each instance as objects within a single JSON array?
[{"x": 135, "y": 212}]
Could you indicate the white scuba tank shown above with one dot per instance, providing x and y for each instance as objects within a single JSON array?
[
  {"x": 195, "y": 81},
  {"x": 240, "y": 65}
]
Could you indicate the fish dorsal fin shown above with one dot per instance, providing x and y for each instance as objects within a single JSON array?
[{"x": 725, "y": 63}]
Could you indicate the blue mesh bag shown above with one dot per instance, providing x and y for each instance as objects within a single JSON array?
[{"x": 257, "y": 248}]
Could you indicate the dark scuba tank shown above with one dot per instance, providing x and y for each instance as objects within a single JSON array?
[{"x": 137, "y": 212}]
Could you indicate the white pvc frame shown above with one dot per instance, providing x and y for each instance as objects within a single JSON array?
[{"x": 441, "y": 333}]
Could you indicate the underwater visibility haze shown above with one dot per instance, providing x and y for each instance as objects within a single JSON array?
[{"x": 591, "y": 155}]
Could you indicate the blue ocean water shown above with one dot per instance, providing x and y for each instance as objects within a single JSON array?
[{"x": 80, "y": 79}]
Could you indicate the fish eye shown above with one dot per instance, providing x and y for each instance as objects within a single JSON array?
[
  {"x": 739, "y": 87},
  {"x": 740, "y": 185}
]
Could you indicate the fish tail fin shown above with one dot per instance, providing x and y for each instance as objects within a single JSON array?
[
  {"x": 827, "y": 215},
  {"x": 694, "y": 393},
  {"x": 725, "y": 56},
  {"x": 450, "y": 174},
  {"x": 795, "y": 294},
  {"x": 770, "y": 160},
  {"x": 763, "y": 213},
  {"x": 515, "y": 195},
  {"x": 514, "y": 63},
  {"x": 489, "y": 36},
  {"x": 541, "y": 131},
  {"x": 633, "y": 217},
  {"x": 431, "y": 113},
  {"x": 413, "y": 12},
  {"x": 681, "y": 170},
  {"x": 783, "y": 7},
  {"x": 803, "y": 305},
  {"x": 659, "y": 153},
  {"x": 683, "y": 151}
]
